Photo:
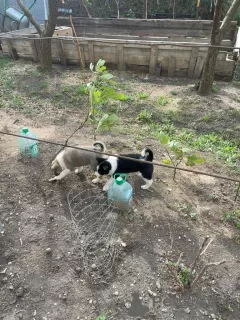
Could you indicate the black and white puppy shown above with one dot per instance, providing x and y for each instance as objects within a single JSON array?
[
  {"x": 113, "y": 165},
  {"x": 70, "y": 160}
]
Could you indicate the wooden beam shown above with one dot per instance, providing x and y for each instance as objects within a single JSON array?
[
  {"x": 120, "y": 57},
  {"x": 192, "y": 62},
  {"x": 153, "y": 60},
  {"x": 62, "y": 53}
]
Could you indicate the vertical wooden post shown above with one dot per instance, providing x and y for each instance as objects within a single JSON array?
[
  {"x": 153, "y": 60},
  {"x": 192, "y": 62},
  {"x": 198, "y": 68},
  {"x": 120, "y": 56},
  {"x": 62, "y": 53},
  {"x": 145, "y": 9},
  {"x": 171, "y": 67},
  {"x": 91, "y": 52},
  {"x": 34, "y": 50},
  {"x": 11, "y": 49}
]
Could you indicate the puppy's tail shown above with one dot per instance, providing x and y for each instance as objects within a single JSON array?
[
  {"x": 147, "y": 154},
  {"x": 99, "y": 146}
]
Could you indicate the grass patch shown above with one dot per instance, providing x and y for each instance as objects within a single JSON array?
[
  {"x": 142, "y": 95},
  {"x": 206, "y": 118},
  {"x": 163, "y": 101},
  {"x": 174, "y": 92},
  {"x": 43, "y": 85},
  {"x": 145, "y": 116},
  {"x": 4, "y": 62},
  {"x": 232, "y": 217},
  {"x": 17, "y": 101}
]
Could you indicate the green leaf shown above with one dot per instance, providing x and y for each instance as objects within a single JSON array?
[
  {"x": 97, "y": 96},
  {"x": 166, "y": 161},
  {"x": 107, "y": 121},
  {"x": 194, "y": 159},
  {"x": 100, "y": 67},
  {"x": 102, "y": 317},
  {"x": 106, "y": 76},
  {"x": 163, "y": 138},
  {"x": 178, "y": 154},
  {"x": 193, "y": 215}
]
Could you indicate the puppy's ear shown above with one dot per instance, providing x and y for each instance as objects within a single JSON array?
[{"x": 99, "y": 160}]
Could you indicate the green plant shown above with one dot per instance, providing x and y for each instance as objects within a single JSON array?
[
  {"x": 162, "y": 101},
  {"x": 174, "y": 92},
  {"x": 101, "y": 317},
  {"x": 17, "y": 101},
  {"x": 176, "y": 153},
  {"x": 4, "y": 61},
  {"x": 184, "y": 274},
  {"x": 206, "y": 117},
  {"x": 233, "y": 217},
  {"x": 145, "y": 116},
  {"x": 142, "y": 95},
  {"x": 214, "y": 88},
  {"x": 99, "y": 92},
  {"x": 43, "y": 85}
]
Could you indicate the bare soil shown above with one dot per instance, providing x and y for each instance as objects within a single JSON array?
[{"x": 42, "y": 274}]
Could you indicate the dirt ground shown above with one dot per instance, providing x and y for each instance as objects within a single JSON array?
[{"x": 44, "y": 271}]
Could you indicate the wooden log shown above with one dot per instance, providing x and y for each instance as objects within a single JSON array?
[
  {"x": 91, "y": 52},
  {"x": 62, "y": 53},
  {"x": 198, "y": 68},
  {"x": 120, "y": 57},
  {"x": 171, "y": 66},
  {"x": 153, "y": 60},
  {"x": 11, "y": 49},
  {"x": 192, "y": 62},
  {"x": 34, "y": 50}
]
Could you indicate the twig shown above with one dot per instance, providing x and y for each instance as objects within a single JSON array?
[
  {"x": 81, "y": 60},
  {"x": 205, "y": 249},
  {"x": 237, "y": 193},
  {"x": 199, "y": 253},
  {"x": 179, "y": 260},
  {"x": 175, "y": 276},
  {"x": 204, "y": 269},
  {"x": 171, "y": 236}
]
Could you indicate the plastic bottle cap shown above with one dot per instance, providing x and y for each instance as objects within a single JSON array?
[
  {"x": 119, "y": 180},
  {"x": 24, "y": 130}
]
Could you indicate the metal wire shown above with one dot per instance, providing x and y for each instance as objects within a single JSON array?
[{"x": 94, "y": 221}]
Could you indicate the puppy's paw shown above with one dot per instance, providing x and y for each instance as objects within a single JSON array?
[
  {"x": 145, "y": 187},
  {"x": 52, "y": 179},
  {"x": 95, "y": 180},
  {"x": 105, "y": 188},
  {"x": 79, "y": 170}
]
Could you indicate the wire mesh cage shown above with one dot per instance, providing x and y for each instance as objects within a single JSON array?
[{"x": 94, "y": 221}]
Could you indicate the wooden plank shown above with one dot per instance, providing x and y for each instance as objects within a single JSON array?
[
  {"x": 171, "y": 66},
  {"x": 34, "y": 50},
  {"x": 153, "y": 60},
  {"x": 198, "y": 68},
  {"x": 91, "y": 52},
  {"x": 62, "y": 53},
  {"x": 120, "y": 56},
  {"x": 11, "y": 49},
  {"x": 192, "y": 62}
]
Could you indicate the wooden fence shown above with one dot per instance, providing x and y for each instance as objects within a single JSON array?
[{"x": 156, "y": 57}]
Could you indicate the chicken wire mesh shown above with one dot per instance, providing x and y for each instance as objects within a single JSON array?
[{"x": 94, "y": 221}]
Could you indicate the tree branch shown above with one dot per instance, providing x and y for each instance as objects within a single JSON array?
[
  {"x": 230, "y": 14},
  {"x": 86, "y": 8},
  {"x": 29, "y": 16},
  {"x": 204, "y": 269},
  {"x": 52, "y": 18}
]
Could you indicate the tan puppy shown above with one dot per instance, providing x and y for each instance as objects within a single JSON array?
[{"x": 70, "y": 160}]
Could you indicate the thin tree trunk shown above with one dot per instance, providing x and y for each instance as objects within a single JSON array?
[
  {"x": 211, "y": 59},
  {"x": 145, "y": 10},
  {"x": 86, "y": 8},
  {"x": 45, "y": 54}
]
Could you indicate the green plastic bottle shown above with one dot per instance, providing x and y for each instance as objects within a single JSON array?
[
  {"x": 120, "y": 192},
  {"x": 28, "y": 147}
]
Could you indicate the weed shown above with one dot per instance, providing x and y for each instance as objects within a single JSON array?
[
  {"x": 214, "y": 88},
  {"x": 206, "y": 118},
  {"x": 184, "y": 275},
  {"x": 145, "y": 116},
  {"x": 142, "y": 95},
  {"x": 58, "y": 96},
  {"x": 17, "y": 101},
  {"x": 162, "y": 101},
  {"x": 101, "y": 317},
  {"x": 233, "y": 217},
  {"x": 174, "y": 92},
  {"x": 82, "y": 89},
  {"x": 43, "y": 85},
  {"x": 4, "y": 61},
  {"x": 9, "y": 84}
]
